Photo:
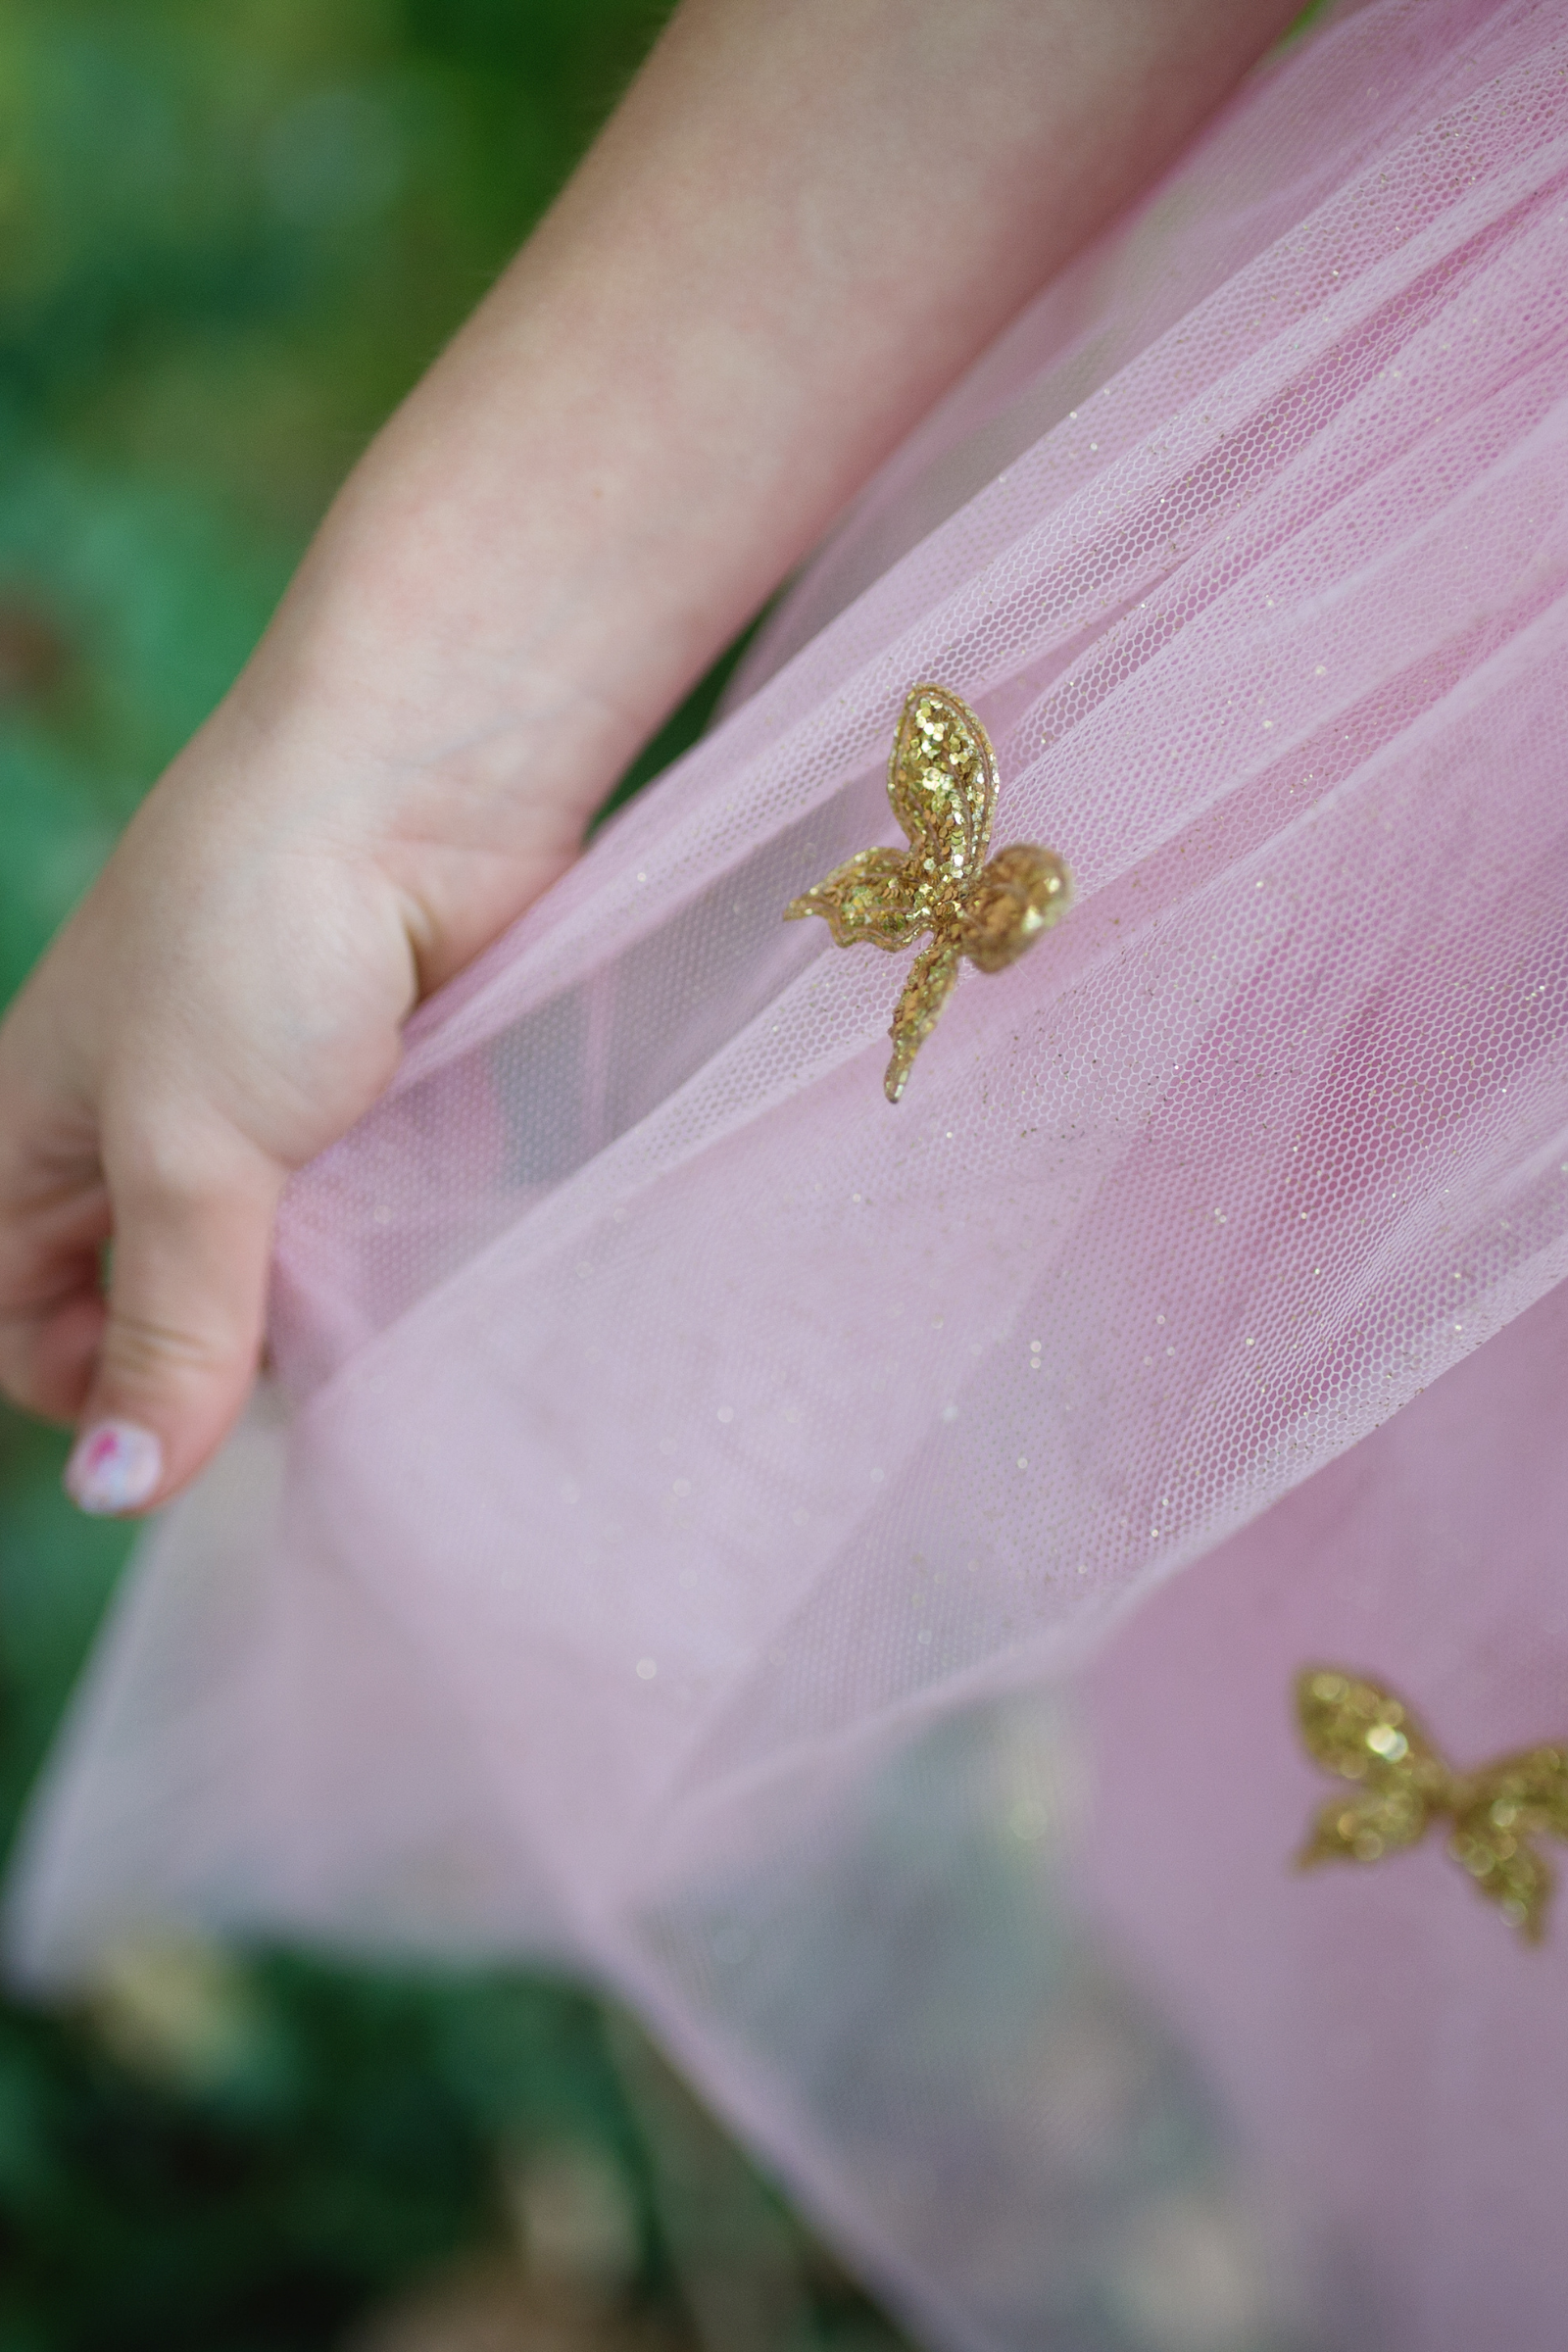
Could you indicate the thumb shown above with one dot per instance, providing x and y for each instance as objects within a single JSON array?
[{"x": 182, "y": 1334}]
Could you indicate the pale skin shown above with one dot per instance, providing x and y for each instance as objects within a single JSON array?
[{"x": 805, "y": 220}]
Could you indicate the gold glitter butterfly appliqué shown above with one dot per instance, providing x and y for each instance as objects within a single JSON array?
[
  {"x": 942, "y": 781},
  {"x": 1367, "y": 1736}
]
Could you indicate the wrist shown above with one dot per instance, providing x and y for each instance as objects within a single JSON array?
[{"x": 445, "y": 723}]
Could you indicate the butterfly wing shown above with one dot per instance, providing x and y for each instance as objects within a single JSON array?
[
  {"x": 1506, "y": 1868},
  {"x": 867, "y": 901},
  {"x": 1021, "y": 893},
  {"x": 925, "y": 992},
  {"x": 1506, "y": 1805},
  {"x": 1529, "y": 1787},
  {"x": 942, "y": 781},
  {"x": 1363, "y": 1829},
  {"x": 1365, "y": 1734},
  {"x": 1361, "y": 1730}
]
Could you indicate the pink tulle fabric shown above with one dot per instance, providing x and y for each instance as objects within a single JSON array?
[{"x": 834, "y": 1573}]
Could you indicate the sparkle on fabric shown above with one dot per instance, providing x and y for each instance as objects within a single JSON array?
[
  {"x": 1367, "y": 1736},
  {"x": 942, "y": 781}
]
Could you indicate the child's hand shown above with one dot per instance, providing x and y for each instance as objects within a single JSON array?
[{"x": 223, "y": 1005}]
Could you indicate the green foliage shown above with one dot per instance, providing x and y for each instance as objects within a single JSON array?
[{"x": 349, "y": 2142}]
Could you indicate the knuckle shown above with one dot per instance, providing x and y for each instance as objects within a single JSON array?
[
  {"x": 138, "y": 1352},
  {"x": 168, "y": 1188},
  {"x": 159, "y": 1182}
]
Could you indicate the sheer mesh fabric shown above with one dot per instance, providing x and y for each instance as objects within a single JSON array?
[{"x": 710, "y": 1527}]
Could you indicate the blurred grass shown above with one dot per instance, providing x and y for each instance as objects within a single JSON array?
[{"x": 229, "y": 239}]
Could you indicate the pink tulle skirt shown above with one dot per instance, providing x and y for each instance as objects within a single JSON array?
[{"x": 835, "y": 1573}]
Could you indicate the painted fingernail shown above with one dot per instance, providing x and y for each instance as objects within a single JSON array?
[{"x": 115, "y": 1466}]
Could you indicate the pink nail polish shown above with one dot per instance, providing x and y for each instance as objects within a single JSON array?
[{"x": 115, "y": 1466}]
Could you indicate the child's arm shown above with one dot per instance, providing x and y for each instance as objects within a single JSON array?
[{"x": 805, "y": 220}]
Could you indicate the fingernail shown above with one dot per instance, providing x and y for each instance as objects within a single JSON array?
[{"x": 115, "y": 1466}]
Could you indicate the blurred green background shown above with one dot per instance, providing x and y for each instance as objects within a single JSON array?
[{"x": 230, "y": 236}]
